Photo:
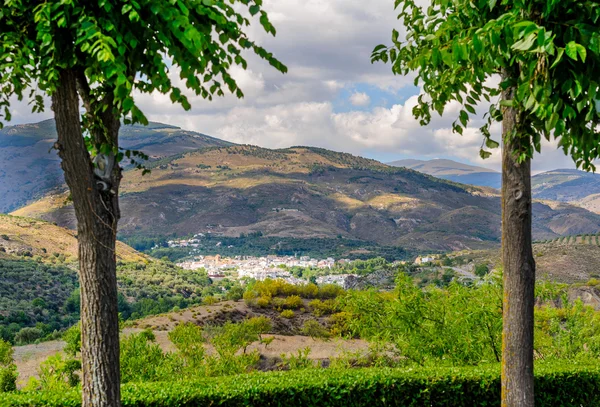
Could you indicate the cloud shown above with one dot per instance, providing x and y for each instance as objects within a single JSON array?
[
  {"x": 360, "y": 99},
  {"x": 332, "y": 96}
]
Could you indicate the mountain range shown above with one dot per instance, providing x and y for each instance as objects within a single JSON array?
[
  {"x": 199, "y": 184},
  {"x": 30, "y": 167},
  {"x": 454, "y": 171},
  {"x": 564, "y": 185}
]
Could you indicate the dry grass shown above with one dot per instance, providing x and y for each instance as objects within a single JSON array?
[{"x": 40, "y": 238}]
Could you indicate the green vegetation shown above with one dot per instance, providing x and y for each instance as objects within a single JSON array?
[
  {"x": 8, "y": 370},
  {"x": 556, "y": 385},
  {"x": 40, "y": 299},
  {"x": 284, "y": 297},
  {"x": 254, "y": 244}
]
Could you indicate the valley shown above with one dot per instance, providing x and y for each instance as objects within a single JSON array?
[
  {"x": 303, "y": 193},
  {"x": 281, "y": 260}
]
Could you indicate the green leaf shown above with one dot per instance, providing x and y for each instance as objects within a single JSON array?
[
  {"x": 561, "y": 52},
  {"x": 484, "y": 154},
  {"x": 526, "y": 43},
  {"x": 254, "y": 9},
  {"x": 491, "y": 143},
  {"x": 574, "y": 49},
  {"x": 464, "y": 118}
]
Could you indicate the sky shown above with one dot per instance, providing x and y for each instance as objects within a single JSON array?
[{"x": 332, "y": 96}]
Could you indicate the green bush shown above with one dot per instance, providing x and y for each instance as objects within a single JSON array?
[
  {"x": 293, "y": 302},
  {"x": 8, "y": 370},
  {"x": 315, "y": 330},
  {"x": 556, "y": 385},
  {"x": 321, "y": 308},
  {"x": 8, "y": 378},
  {"x": 288, "y": 313},
  {"x": 143, "y": 360}
]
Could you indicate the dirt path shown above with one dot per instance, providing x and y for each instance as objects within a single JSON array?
[{"x": 29, "y": 357}]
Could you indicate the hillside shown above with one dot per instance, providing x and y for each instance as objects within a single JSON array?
[
  {"x": 27, "y": 237},
  {"x": 39, "y": 282},
  {"x": 567, "y": 185},
  {"x": 572, "y": 259},
  {"x": 307, "y": 193},
  {"x": 30, "y": 168},
  {"x": 454, "y": 171}
]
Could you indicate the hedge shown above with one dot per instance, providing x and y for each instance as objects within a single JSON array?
[{"x": 556, "y": 386}]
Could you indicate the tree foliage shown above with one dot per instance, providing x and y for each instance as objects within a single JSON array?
[
  {"x": 548, "y": 50},
  {"x": 123, "y": 48}
]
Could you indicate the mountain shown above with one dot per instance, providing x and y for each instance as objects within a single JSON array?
[
  {"x": 311, "y": 193},
  {"x": 30, "y": 168},
  {"x": 568, "y": 185},
  {"x": 26, "y": 237},
  {"x": 454, "y": 171}
]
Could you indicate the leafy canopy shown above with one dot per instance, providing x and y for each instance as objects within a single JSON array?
[
  {"x": 548, "y": 51},
  {"x": 125, "y": 46}
]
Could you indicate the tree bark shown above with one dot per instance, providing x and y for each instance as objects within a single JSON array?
[
  {"x": 519, "y": 269},
  {"x": 97, "y": 215}
]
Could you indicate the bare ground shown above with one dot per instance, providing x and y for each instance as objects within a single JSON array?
[{"x": 29, "y": 357}]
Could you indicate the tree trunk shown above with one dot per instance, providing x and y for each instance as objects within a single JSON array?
[
  {"x": 519, "y": 270},
  {"x": 97, "y": 215}
]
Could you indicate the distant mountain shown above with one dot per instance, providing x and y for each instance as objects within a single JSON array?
[
  {"x": 30, "y": 168},
  {"x": 454, "y": 171},
  {"x": 566, "y": 185},
  {"x": 309, "y": 193}
]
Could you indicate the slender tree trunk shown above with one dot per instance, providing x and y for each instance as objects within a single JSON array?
[
  {"x": 519, "y": 271},
  {"x": 97, "y": 215}
]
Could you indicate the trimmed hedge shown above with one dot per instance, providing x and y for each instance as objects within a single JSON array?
[{"x": 556, "y": 386}]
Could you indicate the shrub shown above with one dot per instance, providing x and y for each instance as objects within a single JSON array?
[
  {"x": 263, "y": 301},
  {"x": 288, "y": 313},
  {"x": 260, "y": 325},
  {"x": 189, "y": 341},
  {"x": 8, "y": 378},
  {"x": 56, "y": 374},
  {"x": 341, "y": 324},
  {"x": 329, "y": 291},
  {"x": 555, "y": 384},
  {"x": 315, "y": 330},
  {"x": 481, "y": 270},
  {"x": 28, "y": 335},
  {"x": 143, "y": 360},
  {"x": 72, "y": 337},
  {"x": 321, "y": 308},
  {"x": 8, "y": 370},
  {"x": 293, "y": 302},
  {"x": 210, "y": 300},
  {"x": 297, "y": 361},
  {"x": 235, "y": 293}
]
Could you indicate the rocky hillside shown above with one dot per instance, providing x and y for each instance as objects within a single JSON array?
[
  {"x": 304, "y": 192},
  {"x": 25, "y": 237},
  {"x": 568, "y": 260},
  {"x": 30, "y": 168}
]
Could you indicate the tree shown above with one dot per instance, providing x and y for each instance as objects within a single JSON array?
[
  {"x": 100, "y": 53},
  {"x": 536, "y": 62}
]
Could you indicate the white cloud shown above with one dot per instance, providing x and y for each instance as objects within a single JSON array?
[
  {"x": 326, "y": 45},
  {"x": 360, "y": 99}
]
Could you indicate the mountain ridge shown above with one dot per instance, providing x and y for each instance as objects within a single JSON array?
[
  {"x": 453, "y": 171},
  {"x": 30, "y": 168},
  {"x": 308, "y": 192}
]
